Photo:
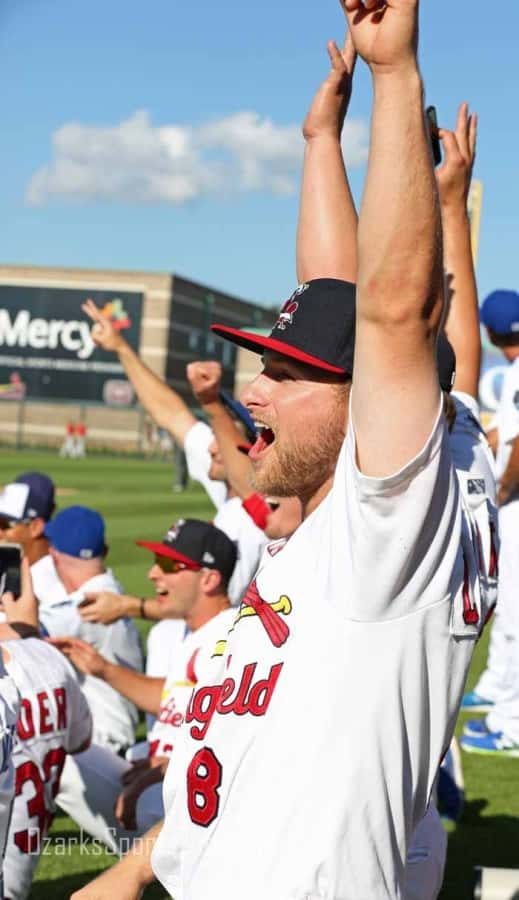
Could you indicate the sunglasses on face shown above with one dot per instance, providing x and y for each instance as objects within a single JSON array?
[
  {"x": 6, "y": 524},
  {"x": 172, "y": 566}
]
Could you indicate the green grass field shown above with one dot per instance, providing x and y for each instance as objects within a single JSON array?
[{"x": 137, "y": 500}]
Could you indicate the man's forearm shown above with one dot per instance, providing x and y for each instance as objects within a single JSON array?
[
  {"x": 164, "y": 405},
  {"x": 140, "y": 689},
  {"x": 327, "y": 227},
  {"x": 237, "y": 465},
  {"x": 399, "y": 235},
  {"x": 462, "y": 323}
]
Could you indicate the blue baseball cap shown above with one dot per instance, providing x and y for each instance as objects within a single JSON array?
[
  {"x": 77, "y": 531},
  {"x": 500, "y": 312},
  {"x": 241, "y": 413}
]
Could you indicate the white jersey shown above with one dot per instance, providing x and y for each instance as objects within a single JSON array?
[
  {"x": 115, "y": 718},
  {"x": 54, "y": 720},
  {"x": 231, "y": 517},
  {"x": 9, "y": 706},
  {"x": 313, "y": 754},
  {"x": 475, "y": 468},
  {"x": 46, "y": 583},
  {"x": 192, "y": 664},
  {"x": 507, "y": 418},
  {"x": 161, "y": 646}
]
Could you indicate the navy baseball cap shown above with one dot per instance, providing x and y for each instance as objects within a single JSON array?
[
  {"x": 197, "y": 544},
  {"x": 500, "y": 312},
  {"x": 77, "y": 531},
  {"x": 241, "y": 413},
  {"x": 30, "y": 496},
  {"x": 316, "y": 326}
]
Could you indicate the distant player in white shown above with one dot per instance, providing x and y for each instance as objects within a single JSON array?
[
  {"x": 378, "y": 587},
  {"x": 54, "y": 720},
  {"x": 193, "y": 565},
  {"x": 169, "y": 411},
  {"x": 498, "y": 688}
]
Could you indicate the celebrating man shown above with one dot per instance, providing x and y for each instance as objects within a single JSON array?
[{"x": 378, "y": 587}]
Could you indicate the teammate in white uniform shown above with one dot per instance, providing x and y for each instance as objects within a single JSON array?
[
  {"x": 77, "y": 545},
  {"x": 26, "y": 505},
  {"x": 375, "y": 588},
  {"x": 169, "y": 411},
  {"x": 193, "y": 566},
  {"x": 499, "y": 733},
  {"x": 9, "y": 706},
  {"x": 54, "y": 720}
]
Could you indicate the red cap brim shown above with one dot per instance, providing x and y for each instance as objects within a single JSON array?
[
  {"x": 164, "y": 550},
  {"x": 258, "y": 343}
]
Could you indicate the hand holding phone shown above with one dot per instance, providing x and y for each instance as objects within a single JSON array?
[
  {"x": 10, "y": 566},
  {"x": 432, "y": 121}
]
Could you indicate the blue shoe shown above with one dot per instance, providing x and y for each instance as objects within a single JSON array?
[
  {"x": 473, "y": 702},
  {"x": 451, "y": 787},
  {"x": 476, "y": 728},
  {"x": 495, "y": 743}
]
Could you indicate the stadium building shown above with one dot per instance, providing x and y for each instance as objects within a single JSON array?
[{"x": 51, "y": 373}]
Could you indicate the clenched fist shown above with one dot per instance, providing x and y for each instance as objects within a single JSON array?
[{"x": 205, "y": 379}]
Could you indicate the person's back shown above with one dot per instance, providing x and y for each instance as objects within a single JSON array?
[
  {"x": 54, "y": 720},
  {"x": 9, "y": 707}
]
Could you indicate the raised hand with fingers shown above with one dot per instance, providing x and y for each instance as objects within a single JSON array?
[
  {"x": 385, "y": 34},
  {"x": 103, "y": 332},
  {"x": 459, "y": 148},
  {"x": 330, "y": 104}
]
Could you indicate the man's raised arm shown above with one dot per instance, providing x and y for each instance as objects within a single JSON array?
[
  {"x": 396, "y": 396},
  {"x": 164, "y": 405},
  {"x": 462, "y": 321},
  {"x": 327, "y": 227}
]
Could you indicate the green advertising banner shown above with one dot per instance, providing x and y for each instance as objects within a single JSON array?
[{"x": 46, "y": 349}]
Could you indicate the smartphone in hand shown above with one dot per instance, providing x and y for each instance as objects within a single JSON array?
[
  {"x": 10, "y": 564},
  {"x": 432, "y": 120}
]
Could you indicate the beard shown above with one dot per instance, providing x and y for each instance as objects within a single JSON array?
[{"x": 300, "y": 468}]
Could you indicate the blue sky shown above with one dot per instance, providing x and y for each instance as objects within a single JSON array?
[{"x": 202, "y": 178}]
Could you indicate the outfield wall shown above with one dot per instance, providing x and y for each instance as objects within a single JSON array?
[{"x": 50, "y": 374}]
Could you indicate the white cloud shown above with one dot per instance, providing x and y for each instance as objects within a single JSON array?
[{"x": 136, "y": 162}]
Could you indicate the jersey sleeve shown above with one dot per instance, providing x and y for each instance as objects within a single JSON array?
[
  {"x": 402, "y": 532},
  {"x": 196, "y": 447}
]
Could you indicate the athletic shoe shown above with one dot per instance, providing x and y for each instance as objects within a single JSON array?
[
  {"x": 451, "y": 787},
  {"x": 495, "y": 743},
  {"x": 474, "y": 702},
  {"x": 476, "y": 728}
]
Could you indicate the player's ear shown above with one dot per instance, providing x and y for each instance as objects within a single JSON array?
[
  {"x": 36, "y": 527},
  {"x": 211, "y": 580}
]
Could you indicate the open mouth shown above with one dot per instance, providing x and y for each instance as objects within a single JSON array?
[{"x": 264, "y": 441}]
